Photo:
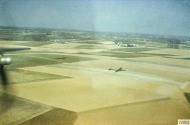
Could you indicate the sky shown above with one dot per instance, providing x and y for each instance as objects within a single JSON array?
[{"x": 164, "y": 17}]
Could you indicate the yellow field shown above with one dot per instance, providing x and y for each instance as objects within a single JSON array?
[{"x": 148, "y": 92}]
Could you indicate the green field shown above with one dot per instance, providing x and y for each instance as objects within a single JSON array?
[
  {"x": 24, "y": 76},
  {"x": 25, "y": 43},
  {"x": 86, "y": 46},
  {"x": 185, "y": 58},
  {"x": 134, "y": 49},
  {"x": 32, "y": 59},
  {"x": 34, "y": 43},
  {"x": 130, "y": 54},
  {"x": 122, "y": 54},
  {"x": 13, "y": 109}
]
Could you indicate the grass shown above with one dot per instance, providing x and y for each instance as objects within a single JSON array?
[
  {"x": 84, "y": 53},
  {"x": 6, "y": 42},
  {"x": 134, "y": 49},
  {"x": 157, "y": 54},
  {"x": 122, "y": 54},
  {"x": 90, "y": 42},
  {"x": 14, "y": 110},
  {"x": 130, "y": 54},
  {"x": 185, "y": 46},
  {"x": 185, "y": 58},
  {"x": 33, "y": 43},
  {"x": 32, "y": 59},
  {"x": 85, "y": 47},
  {"x": 24, "y": 76},
  {"x": 24, "y": 43}
]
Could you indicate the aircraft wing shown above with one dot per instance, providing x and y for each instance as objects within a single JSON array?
[{"x": 3, "y": 50}]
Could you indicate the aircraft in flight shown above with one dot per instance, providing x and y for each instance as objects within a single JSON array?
[{"x": 117, "y": 70}]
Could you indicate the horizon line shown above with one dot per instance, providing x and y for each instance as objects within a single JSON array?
[{"x": 84, "y": 30}]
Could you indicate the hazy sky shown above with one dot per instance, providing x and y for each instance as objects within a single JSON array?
[{"x": 169, "y": 17}]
